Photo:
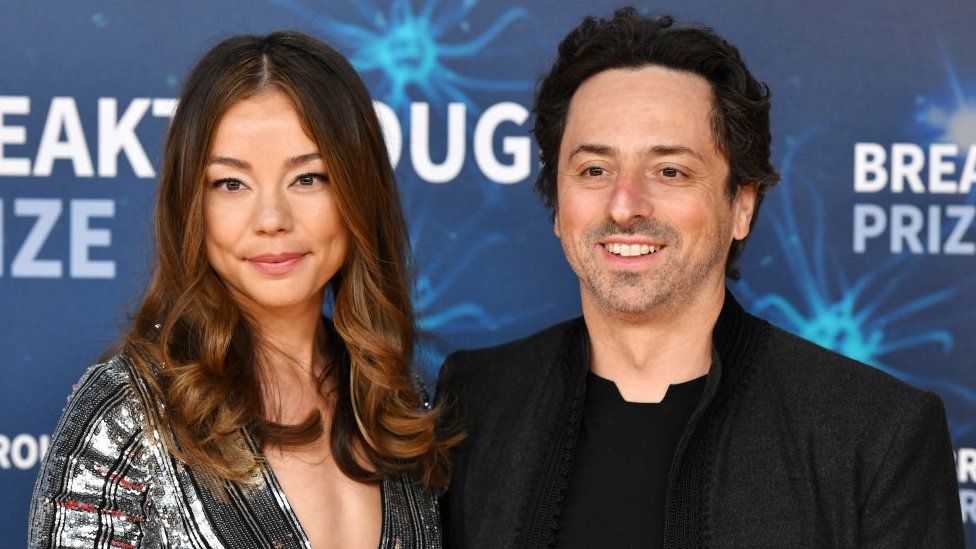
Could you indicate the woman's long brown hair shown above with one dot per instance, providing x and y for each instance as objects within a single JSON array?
[{"x": 194, "y": 344}]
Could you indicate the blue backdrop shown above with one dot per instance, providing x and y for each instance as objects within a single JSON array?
[{"x": 868, "y": 246}]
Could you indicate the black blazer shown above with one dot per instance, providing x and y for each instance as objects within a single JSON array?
[{"x": 792, "y": 445}]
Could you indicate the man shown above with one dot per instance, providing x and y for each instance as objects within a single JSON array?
[{"x": 668, "y": 416}]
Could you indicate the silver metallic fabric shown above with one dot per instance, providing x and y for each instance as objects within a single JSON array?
[{"x": 108, "y": 482}]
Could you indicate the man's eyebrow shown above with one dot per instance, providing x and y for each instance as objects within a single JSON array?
[
  {"x": 653, "y": 150},
  {"x": 665, "y": 150},
  {"x": 600, "y": 150}
]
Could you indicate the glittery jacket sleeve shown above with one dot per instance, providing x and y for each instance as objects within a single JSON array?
[{"x": 92, "y": 486}]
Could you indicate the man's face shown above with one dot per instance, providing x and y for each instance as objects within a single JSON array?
[{"x": 642, "y": 209}]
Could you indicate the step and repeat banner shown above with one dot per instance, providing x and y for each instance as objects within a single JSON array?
[{"x": 867, "y": 247}]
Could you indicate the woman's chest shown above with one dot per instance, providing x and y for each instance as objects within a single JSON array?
[{"x": 334, "y": 510}]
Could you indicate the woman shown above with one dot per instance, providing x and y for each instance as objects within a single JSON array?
[{"x": 234, "y": 414}]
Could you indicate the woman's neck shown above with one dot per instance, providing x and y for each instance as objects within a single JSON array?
[
  {"x": 291, "y": 358},
  {"x": 294, "y": 336}
]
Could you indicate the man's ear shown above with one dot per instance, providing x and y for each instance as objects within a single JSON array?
[
  {"x": 743, "y": 208},
  {"x": 555, "y": 225}
]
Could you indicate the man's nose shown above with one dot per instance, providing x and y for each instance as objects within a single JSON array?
[
  {"x": 272, "y": 213},
  {"x": 629, "y": 199}
]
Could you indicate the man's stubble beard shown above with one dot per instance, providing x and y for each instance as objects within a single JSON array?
[{"x": 667, "y": 288}]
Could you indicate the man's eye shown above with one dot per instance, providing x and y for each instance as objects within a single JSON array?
[
  {"x": 670, "y": 172},
  {"x": 594, "y": 171}
]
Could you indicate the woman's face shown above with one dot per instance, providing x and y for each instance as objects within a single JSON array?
[{"x": 272, "y": 228}]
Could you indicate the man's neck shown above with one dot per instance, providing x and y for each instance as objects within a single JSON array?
[{"x": 645, "y": 355}]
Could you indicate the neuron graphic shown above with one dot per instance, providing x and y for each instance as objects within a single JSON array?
[
  {"x": 868, "y": 318},
  {"x": 874, "y": 316},
  {"x": 407, "y": 55},
  {"x": 954, "y": 122},
  {"x": 409, "y": 51},
  {"x": 951, "y": 119}
]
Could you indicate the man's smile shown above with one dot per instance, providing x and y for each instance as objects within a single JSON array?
[{"x": 631, "y": 250}]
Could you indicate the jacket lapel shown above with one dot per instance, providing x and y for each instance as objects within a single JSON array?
[
  {"x": 540, "y": 512},
  {"x": 565, "y": 386}
]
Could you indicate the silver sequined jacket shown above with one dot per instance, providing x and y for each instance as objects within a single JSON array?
[{"x": 108, "y": 481}]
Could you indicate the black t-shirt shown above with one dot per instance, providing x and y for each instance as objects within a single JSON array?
[{"x": 615, "y": 495}]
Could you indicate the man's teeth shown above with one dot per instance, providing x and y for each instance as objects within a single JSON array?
[{"x": 631, "y": 250}]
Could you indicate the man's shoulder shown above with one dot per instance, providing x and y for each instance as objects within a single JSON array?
[
  {"x": 508, "y": 364},
  {"x": 807, "y": 373}
]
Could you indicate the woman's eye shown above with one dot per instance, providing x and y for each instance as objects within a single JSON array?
[
  {"x": 229, "y": 184},
  {"x": 670, "y": 172},
  {"x": 309, "y": 179}
]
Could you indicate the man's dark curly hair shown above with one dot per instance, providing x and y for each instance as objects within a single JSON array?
[{"x": 740, "y": 113}]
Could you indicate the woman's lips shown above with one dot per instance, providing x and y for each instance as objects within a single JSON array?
[{"x": 276, "y": 264}]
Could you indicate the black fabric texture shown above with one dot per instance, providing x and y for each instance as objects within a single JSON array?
[
  {"x": 624, "y": 450},
  {"x": 791, "y": 445}
]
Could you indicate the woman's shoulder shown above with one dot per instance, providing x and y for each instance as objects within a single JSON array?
[
  {"x": 113, "y": 371},
  {"x": 98, "y": 448},
  {"x": 105, "y": 413},
  {"x": 112, "y": 386},
  {"x": 104, "y": 387},
  {"x": 106, "y": 406}
]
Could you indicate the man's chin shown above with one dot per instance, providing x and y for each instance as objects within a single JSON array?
[{"x": 630, "y": 303}]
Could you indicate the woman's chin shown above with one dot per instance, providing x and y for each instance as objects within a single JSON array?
[{"x": 282, "y": 301}]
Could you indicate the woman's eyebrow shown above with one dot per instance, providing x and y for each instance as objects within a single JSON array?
[
  {"x": 229, "y": 161},
  {"x": 242, "y": 165},
  {"x": 301, "y": 159}
]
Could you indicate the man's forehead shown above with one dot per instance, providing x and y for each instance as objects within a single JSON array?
[
  {"x": 647, "y": 82},
  {"x": 651, "y": 108}
]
